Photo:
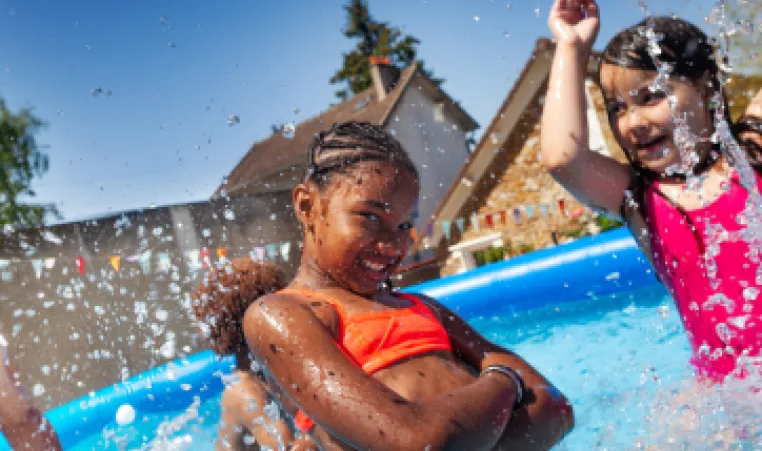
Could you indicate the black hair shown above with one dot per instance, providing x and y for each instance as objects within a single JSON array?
[
  {"x": 338, "y": 149},
  {"x": 691, "y": 54}
]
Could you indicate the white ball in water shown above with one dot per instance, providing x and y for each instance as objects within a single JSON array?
[{"x": 125, "y": 415}]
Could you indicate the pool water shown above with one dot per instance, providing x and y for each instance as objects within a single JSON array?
[{"x": 621, "y": 360}]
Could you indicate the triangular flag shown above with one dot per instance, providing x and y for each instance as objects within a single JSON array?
[
  {"x": 475, "y": 222},
  {"x": 222, "y": 253},
  {"x": 530, "y": 211},
  {"x": 37, "y": 265},
  {"x": 115, "y": 260},
  {"x": 145, "y": 262},
  {"x": 517, "y": 215},
  {"x": 562, "y": 206},
  {"x": 79, "y": 262},
  {"x": 503, "y": 217},
  {"x": 414, "y": 235},
  {"x": 544, "y": 209},
  {"x": 272, "y": 251},
  {"x": 163, "y": 261},
  {"x": 50, "y": 262},
  {"x": 461, "y": 223},
  {"x": 446, "y": 228},
  {"x": 205, "y": 257},
  {"x": 193, "y": 259},
  {"x": 285, "y": 249},
  {"x": 488, "y": 219},
  {"x": 259, "y": 254}
]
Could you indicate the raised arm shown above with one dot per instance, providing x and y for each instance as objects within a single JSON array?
[
  {"x": 300, "y": 354},
  {"x": 21, "y": 421},
  {"x": 539, "y": 422},
  {"x": 592, "y": 178}
]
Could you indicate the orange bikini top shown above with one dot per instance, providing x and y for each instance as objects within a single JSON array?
[{"x": 378, "y": 339}]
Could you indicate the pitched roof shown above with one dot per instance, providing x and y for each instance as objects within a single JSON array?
[
  {"x": 278, "y": 154},
  {"x": 525, "y": 91}
]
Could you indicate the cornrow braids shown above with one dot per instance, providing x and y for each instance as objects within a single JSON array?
[{"x": 345, "y": 144}]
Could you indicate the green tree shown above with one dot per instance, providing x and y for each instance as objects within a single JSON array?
[
  {"x": 21, "y": 160},
  {"x": 374, "y": 39}
]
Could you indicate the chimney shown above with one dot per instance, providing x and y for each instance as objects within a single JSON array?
[{"x": 384, "y": 75}]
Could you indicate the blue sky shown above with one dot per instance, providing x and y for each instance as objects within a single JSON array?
[{"x": 176, "y": 70}]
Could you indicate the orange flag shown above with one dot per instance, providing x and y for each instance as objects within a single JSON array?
[{"x": 414, "y": 235}]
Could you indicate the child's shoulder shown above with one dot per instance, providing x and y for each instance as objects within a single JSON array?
[{"x": 285, "y": 301}]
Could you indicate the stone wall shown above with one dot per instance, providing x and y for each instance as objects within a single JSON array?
[{"x": 516, "y": 179}]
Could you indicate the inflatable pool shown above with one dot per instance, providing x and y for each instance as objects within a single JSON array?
[{"x": 589, "y": 268}]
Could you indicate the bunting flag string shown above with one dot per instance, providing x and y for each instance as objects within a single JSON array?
[
  {"x": 414, "y": 235},
  {"x": 222, "y": 253},
  {"x": 115, "y": 262},
  {"x": 544, "y": 209},
  {"x": 205, "y": 262},
  {"x": 272, "y": 251},
  {"x": 530, "y": 211},
  {"x": 562, "y": 206},
  {"x": 461, "y": 224},
  {"x": 37, "y": 265},
  {"x": 285, "y": 250},
  {"x": 475, "y": 222},
  {"x": 79, "y": 262},
  {"x": 488, "y": 221},
  {"x": 504, "y": 218},
  {"x": 446, "y": 228},
  {"x": 517, "y": 215}
]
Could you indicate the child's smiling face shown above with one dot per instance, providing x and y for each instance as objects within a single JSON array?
[
  {"x": 642, "y": 119},
  {"x": 360, "y": 224}
]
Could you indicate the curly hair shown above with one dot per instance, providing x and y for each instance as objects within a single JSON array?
[{"x": 222, "y": 298}]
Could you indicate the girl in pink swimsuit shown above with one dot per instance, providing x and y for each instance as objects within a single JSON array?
[{"x": 691, "y": 234}]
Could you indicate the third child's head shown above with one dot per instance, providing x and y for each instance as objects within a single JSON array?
[
  {"x": 642, "y": 119},
  {"x": 357, "y": 205}
]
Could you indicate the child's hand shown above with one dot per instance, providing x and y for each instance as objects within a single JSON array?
[{"x": 575, "y": 22}]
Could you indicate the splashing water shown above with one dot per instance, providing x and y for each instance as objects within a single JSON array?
[{"x": 718, "y": 416}]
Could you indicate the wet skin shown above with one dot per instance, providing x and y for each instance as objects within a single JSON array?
[{"x": 356, "y": 233}]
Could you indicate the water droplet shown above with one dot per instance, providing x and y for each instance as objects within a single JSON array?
[
  {"x": 233, "y": 119},
  {"x": 506, "y": 35},
  {"x": 537, "y": 12},
  {"x": 750, "y": 293},
  {"x": 476, "y": 18},
  {"x": 163, "y": 19},
  {"x": 289, "y": 130},
  {"x": 38, "y": 390},
  {"x": 509, "y": 6},
  {"x": 171, "y": 45}
]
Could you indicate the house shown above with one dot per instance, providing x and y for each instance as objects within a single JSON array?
[
  {"x": 428, "y": 123},
  {"x": 503, "y": 202}
]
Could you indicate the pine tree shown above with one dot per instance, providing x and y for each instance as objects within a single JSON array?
[{"x": 375, "y": 39}]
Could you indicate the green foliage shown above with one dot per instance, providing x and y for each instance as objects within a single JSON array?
[
  {"x": 21, "y": 160},
  {"x": 491, "y": 255},
  {"x": 374, "y": 39}
]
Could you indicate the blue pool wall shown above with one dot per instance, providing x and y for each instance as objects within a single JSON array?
[{"x": 590, "y": 267}]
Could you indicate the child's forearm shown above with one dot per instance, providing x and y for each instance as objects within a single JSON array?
[{"x": 564, "y": 131}]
